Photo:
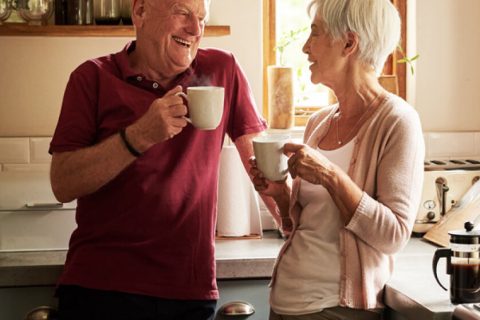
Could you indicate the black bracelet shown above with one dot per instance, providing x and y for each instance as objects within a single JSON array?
[{"x": 130, "y": 148}]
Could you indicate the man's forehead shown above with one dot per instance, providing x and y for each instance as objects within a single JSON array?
[{"x": 180, "y": 2}]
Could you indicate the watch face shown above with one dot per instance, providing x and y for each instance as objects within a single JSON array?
[{"x": 429, "y": 204}]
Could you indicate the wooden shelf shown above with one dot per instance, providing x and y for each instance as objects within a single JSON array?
[{"x": 88, "y": 31}]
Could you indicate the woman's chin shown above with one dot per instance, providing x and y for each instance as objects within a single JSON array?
[{"x": 314, "y": 80}]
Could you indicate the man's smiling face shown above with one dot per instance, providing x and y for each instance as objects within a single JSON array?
[{"x": 172, "y": 30}]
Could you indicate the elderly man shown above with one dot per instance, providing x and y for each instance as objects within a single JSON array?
[{"x": 146, "y": 179}]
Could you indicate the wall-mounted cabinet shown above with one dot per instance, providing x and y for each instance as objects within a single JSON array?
[{"x": 89, "y": 31}]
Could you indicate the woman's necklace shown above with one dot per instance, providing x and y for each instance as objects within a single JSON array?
[{"x": 357, "y": 124}]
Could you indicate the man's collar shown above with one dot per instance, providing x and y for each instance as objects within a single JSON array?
[{"x": 123, "y": 64}]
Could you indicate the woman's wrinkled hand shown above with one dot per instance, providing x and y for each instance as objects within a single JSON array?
[
  {"x": 263, "y": 185},
  {"x": 307, "y": 163},
  {"x": 279, "y": 191}
]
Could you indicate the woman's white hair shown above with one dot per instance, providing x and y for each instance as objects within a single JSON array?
[{"x": 376, "y": 22}]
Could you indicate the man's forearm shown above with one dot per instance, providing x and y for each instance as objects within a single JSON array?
[{"x": 81, "y": 172}]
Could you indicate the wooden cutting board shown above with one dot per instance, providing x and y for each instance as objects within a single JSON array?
[{"x": 468, "y": 209}]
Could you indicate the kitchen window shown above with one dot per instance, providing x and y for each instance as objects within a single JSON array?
[{"x": 282, "y": 17}]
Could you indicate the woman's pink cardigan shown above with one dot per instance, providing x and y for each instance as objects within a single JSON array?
[{"x": 387, "y": 164}]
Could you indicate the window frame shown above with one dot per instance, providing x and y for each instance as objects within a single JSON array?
[{"x": 391, "y": 68}]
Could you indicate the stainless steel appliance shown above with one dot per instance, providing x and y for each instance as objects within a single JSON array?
[{"x": 445, "y": 182}]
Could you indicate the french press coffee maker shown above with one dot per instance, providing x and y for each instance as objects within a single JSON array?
[{"x": 463, "y": 264}]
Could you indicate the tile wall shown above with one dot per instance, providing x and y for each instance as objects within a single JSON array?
[
  {"x": 24, "y": 154},
  {"x": 31, "y": 153}
]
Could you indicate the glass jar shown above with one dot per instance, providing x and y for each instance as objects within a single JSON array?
[
  {"x": 127, "y": 12},
  {"x": 61, "y": 12},
  {"x": 73, "y": 12},
  {"x": 107, "y": 12},
  {"x": 37, "y": 12},
  {"x": 15, "y": 7},
  {"x": 4, "y": 10}
]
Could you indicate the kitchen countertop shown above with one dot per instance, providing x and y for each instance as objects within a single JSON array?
[
  {"x": 412, "y": 292},
  {"x": 236, "y": 258}
]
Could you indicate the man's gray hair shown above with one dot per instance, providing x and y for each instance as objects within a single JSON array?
[{"x": 376, "y": 22}]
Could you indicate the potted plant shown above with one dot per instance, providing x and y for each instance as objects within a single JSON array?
[
  {"x": 390, "y": 82},
  {"x": 280, "y": 86}
]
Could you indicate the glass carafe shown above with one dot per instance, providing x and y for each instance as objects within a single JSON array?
[{"x": 463, "y": 265}]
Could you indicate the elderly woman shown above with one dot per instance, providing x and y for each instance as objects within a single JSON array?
[{"x": 356, "y": 179}]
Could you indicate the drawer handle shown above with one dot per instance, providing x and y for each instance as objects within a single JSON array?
[
  {"x": 42, "y": 313},
  {"x": 43, "y": 205},
  {"x": 237, "y": 308}
]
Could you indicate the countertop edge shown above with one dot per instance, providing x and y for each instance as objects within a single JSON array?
[{"x": 47, "y": 275}]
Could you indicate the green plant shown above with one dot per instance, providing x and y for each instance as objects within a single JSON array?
[
  {"x": 286, "y": 39},
  {"x": 406, "y": 59}
]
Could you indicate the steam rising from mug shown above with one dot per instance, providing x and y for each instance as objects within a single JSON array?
[{"x": 205, "y": 106}]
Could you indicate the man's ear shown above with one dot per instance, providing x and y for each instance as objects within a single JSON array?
[
  {"x": 351, "y": 43},
  {"x": 138, "y": 12}
]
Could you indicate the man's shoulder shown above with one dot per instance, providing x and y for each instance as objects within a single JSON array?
[
  {"x": 215, "y": 55},
  {"x": 96, "y": 64}
]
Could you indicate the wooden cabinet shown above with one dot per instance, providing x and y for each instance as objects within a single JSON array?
[
  {"x": 15, "y": 303},
  {"x": 253, "y": 291}
]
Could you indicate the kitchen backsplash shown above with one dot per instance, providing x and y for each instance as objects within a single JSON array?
[
  {"x": 31, "y": 153},
  {"x": 24, "y": 153}
]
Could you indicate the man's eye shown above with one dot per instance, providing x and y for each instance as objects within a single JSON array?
[{"x": 182, "y": 12}]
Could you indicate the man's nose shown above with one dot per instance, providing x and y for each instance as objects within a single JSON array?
[{"x": 195, "y": 26}]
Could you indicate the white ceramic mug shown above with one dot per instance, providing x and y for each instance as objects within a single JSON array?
[
  {"x": 269, "y": 156},
  {"x": 205, "y": 106}
]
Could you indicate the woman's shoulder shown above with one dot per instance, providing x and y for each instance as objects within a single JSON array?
[
  {"x": 398, "y": 113},
  {"x": 321, "y": 114},
  {"x": 317, "y": 118},
  {"x": 397, "y": 109},
  {"x": 398, "y": 106}
]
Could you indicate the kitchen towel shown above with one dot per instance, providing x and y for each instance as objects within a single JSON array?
[{"x": 238, "y": 207}]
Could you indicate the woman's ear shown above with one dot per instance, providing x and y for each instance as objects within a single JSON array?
[{"x": 351, "y": 43}]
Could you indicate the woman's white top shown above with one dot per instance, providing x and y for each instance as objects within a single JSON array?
[{"x": 308, "y": 274}]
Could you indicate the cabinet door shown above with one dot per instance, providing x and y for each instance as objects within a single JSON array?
[
  {"x": 15, "y": 303},
  {"x": 255, "y": 291}
]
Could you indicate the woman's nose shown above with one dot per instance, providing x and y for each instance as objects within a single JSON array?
[{"x": 305, "y": 47}]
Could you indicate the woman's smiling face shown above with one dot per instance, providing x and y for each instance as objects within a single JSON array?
[{"x": 323, "y": 52}]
